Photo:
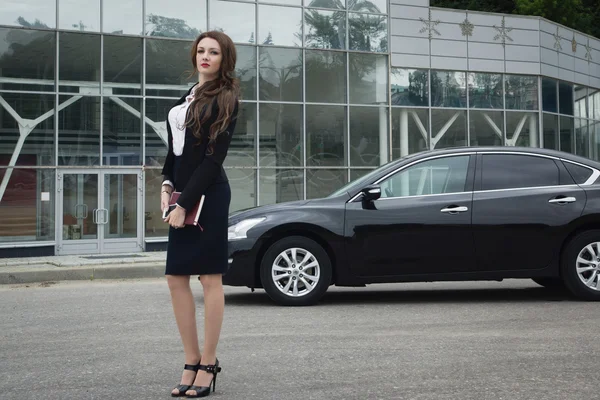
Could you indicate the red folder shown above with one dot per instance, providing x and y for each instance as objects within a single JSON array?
[{"x": 191, "y": 216}]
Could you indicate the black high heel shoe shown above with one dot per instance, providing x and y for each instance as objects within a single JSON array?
[
  {"x": 203, "y": 391},
  {"x": 184, "y": 388}
]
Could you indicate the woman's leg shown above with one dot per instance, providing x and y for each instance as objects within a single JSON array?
[
  {"x": 214, "y": 306},
  {"x": 185, "y": 315}
]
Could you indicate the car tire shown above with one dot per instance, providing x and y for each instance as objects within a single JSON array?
[
  {"x": 550, "y": 283},
  {"x": 287, "y": 284},
  {"x": 574, "y": 279}
]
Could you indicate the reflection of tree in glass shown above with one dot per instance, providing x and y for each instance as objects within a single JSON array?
[
  {"x": 447, "y": 89},
  {"x": 157, "y": 25},
  {"x": 26, "y": 24},
  {"x": 416, "y": 91},
  {"x": 487, "y": 91},
  {"x": 326, "y": 29}
]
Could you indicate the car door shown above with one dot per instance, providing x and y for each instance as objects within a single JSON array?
[
  {"x": 521, "y": 205},
  {"x": 420, "y": 225}
]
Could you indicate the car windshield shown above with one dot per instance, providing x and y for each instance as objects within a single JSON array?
[{"x": 361, "y": 181}]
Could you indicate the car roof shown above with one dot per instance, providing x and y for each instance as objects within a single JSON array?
[{"x": 508, "y": 150}]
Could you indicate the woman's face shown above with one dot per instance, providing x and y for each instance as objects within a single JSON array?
[{"x": 208, "y": 57}]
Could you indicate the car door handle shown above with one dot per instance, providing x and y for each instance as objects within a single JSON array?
[
  {"x": 454, "y": 210},
  {"x": 562, "y": 200}
]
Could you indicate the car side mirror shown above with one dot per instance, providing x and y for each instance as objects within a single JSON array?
[{"x": 371, "y": 192}]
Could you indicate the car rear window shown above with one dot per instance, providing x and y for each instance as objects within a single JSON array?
[{"x": 580, "y": 174}]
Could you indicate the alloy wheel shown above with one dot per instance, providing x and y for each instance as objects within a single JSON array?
[
  {"x": 588, "y": 266},
  {"x": 295, "y": 272}
]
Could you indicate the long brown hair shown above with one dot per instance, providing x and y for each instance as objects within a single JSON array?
[{"x": 224, "y": 90}]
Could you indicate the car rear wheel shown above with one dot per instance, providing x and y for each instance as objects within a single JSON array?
[
  {"x": 581, "y": 265},
  {"x": 295, "y": 271}
]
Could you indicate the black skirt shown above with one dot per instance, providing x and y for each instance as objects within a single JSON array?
[{"x": 193, "y": 251}]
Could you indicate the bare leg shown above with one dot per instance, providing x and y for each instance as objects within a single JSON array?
[
  {"x": 185, "y": 315},
  {"x": 214, "y": 306}
]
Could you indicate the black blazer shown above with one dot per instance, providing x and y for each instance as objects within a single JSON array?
[{"x": 198, "y": 170}]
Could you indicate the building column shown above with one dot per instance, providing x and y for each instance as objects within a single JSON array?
[
  {"x": 533, "y": 131},
  {"x": 384, "y": 153}
]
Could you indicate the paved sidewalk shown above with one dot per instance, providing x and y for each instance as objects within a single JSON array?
[{"x": 82, "y": 267}]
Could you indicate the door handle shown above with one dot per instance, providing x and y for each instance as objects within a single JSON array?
[
  {"x": 562, "y": 200},
  {"x": 95, "y": 215},
  {"x": 104, "y": 215},
  {"x": 454, "y": 210}
]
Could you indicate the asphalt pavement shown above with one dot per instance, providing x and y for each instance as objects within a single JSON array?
[{"x": 106, "y": 339}]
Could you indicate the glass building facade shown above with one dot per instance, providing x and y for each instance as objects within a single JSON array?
[{"x": 85, "y": 87}]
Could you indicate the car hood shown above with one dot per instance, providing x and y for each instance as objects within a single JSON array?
[{"x": 266, "y": 209}]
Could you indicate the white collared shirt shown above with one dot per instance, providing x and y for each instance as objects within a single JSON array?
[{"x": 176, "y": 119}]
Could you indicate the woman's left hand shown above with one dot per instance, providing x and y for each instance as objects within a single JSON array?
[{"x": 176, "y": 218}]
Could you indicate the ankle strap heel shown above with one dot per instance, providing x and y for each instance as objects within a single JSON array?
[{"x": 203, "y": 391}]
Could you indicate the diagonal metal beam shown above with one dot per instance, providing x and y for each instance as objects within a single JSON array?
[
  {"x": 159, "y": 127},
  {"x": 442, "y": 132}
]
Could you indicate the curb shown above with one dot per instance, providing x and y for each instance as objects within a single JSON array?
[{"x": 90, "y": 272}]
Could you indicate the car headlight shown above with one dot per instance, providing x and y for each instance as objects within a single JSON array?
[{"x": 238, "y": 231}]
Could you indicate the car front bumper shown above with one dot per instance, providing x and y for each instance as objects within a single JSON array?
[{"x": 241, "y": 264}]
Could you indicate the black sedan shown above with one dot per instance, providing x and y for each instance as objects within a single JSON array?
[{"x": 444, "y": 215}]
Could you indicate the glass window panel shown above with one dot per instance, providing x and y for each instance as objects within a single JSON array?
[
  {"x": 410, "y": 87},
  {"x": 549, "y": 95},
  {"x": 368, "y": 32},
  {"x": 162, "y": 19},
  {"x": 281, "y": 185},
  {"x": 325, "y": 29},
  {"x": 122, "y": 65},
  {"x": 487, "y": 128},
  {"x": 27, "y": 55},
  {"x": 438, "y": 176},
  {"x": 280, "y": 74},
  {"x": 154, "y": 226},
  {"x": 245, "y": 71},
  {"x": 565, "y": 98},
  {"x": 25, "y": 214},
  {"x": 79, "y": 131},
  {"x": 579, "y": 174},
  {"x": 169, "y": 68},
  {"x": 581, "y": 107},
  {"x": 38, "y": 147},
  {"x": 372, "y": 6},
  {"x": 335, "y": 4},
  {"x": 122, "y": 16},
  {"x": 410, "y": 131},
  {"x": 522, "y": 129},
  {"x": 156, "y": 131},
  {"x": 322, "y": 182},
  {"x": 448, "y": 128},
  {"x": 368, "y": 79},
  {"x": 79, "y": 15},
  {"x": 326, "y": 136},
  {"x": 243, "y": 188},
  {"x": 368, "y": 132},
  {"x": 242, "y": 150},
  {"x": 29, "y": 13},
  {"x": 288, "y": 2},
  {"x": 239, "y": 25},
  {"x": 79, "y": 63},
  {"x": 281, "y": 143},
  {"x": 485, "y": 90},
  {"x": 356, "y": 174},
  {"x": 594, "y": 96},
  {"x": 566, "y": 134},
  {"x": 280, "y": 26},
  {"x": 582, "y": 139},
  {"x": 550, "y": 131},
  {"x": 595, "y": 134},
  {"x": 521, "y": 92},
  {"x": 325, "y": 76},
  {"x": 448, "y": 89},
  {"x": 122, "y": 133},
  {"x": 120, "y": 200}
]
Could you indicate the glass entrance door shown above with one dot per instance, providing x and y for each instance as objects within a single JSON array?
[{"x": 99, "y": 212}]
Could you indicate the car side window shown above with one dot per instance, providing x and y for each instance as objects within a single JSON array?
[
  {"x": 437, "y": 176},
  {"x": 580, "y": 174},
  {"x": 513, "y": 171}
]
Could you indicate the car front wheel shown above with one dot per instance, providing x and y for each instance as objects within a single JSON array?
[
  {"x": 581, "y": 265},
  {"x": 296, "y": 271}
]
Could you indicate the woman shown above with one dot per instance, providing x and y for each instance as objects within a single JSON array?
[{"x": 200, "y": 127}]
